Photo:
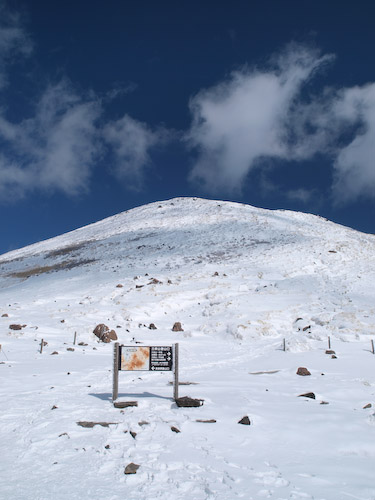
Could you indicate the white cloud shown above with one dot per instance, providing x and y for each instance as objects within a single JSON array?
[
  {"x": 242, "y": 120},
  {"x": 131, "y": 142},
  {"x": 355, "y": 163},
  {"x": 14, "y": 41},
  {"x": 54, "y": 150},
  {"x": 259, "y": 114}
]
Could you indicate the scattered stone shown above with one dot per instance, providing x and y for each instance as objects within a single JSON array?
[
  {"x": 54, "y": 352},
  {"x": 15, "y": 327},
  {"x": 324, "y": 403},
  {"x": 107, "y": 446},
  {"x": 104, "y": 333},
  {"x": 303, "y": 371},
  {"x": 125, "y": 404},
  {"x": 90, "y": 425},
  {"x": 139, "y": 286},
  {"x": 369, "y": 405},
  {"x": 63, "y": 434},
  {"x": 5, "y": 315},
  {"x": 174, "y": 429},
  {"x": 70, "y": 349},
  {"x": 154, "y": 281},
  {"x": 169, "y": 282},
  {"x": 82, "y": 343},
  {"x": 187, "y": 402},
  {"x": 152, "y": 326},
  {"x": 119, "y": 286},
  {"x": 310, "y": 395},
  {"x": 133, "y": 434},
  {"x": 215, "y": 273},
  {"x": 131, "y": 468},
  {"x": 177, "y": 327},
  {"x": 143, "y": 422},
  {"x": 211, "y": 421},
  {"x": 244, "y": 420},
  {"x": 62, "y": 321},
  {"x": 308, "y": 327},
  {"x": 333, "y": 356},
  {"x": 329, "y": 351},
  {"x": 54, "y": 407}
]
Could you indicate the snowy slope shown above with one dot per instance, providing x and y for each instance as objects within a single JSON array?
[{"x": 237, "y": 278}]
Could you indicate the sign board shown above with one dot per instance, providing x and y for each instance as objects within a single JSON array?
[
  {"x": 142, "y": 358},
  {"x": 154, "y": 358}
]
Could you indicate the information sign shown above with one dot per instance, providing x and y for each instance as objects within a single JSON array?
[{"x": 154, "y": 358}]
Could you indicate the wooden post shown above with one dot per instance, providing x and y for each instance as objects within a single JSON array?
[
  {"x": 175, "y": 363},
  {"x": 41, "y": 346},
  {"x": 372, "y": 347},
  {"x": 115, "y": 371},
  {"x": 329, "y": 342},
  {"x": 75, "y": 338},
  {"x": 284, "y": 345}
]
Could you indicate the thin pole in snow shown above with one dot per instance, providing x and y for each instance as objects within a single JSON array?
[
  {"x": 75, "y": 338},
  {"x": 41, "y": 346},
  {"x": 115, "y": 371},
  {"x": 329, "y": 342},
  {"x": 175, "y": 385},
  {"x": 372, "y": 347},
  {"x": 284, "y": 345}
]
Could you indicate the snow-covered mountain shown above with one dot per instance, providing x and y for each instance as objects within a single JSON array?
[{"x": 240, "y": 280}]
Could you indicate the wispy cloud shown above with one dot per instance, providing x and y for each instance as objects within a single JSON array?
[
  {"x": 259, "y": 114},
  {"x": 244, "y": 119},
  {"x": 54, "y": 150},
  {"x": 131, "y": 142},
  {"x": 355, "y": 163},
  {"x": 14, "y": 40}
]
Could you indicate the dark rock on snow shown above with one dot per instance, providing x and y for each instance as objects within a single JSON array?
[
  {"x": 245, "y": 420},
  {"x": 303, "y": 371},
  {"x": 104, "y": 333}
]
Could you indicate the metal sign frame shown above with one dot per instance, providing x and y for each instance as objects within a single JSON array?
[{"x": 158, "y": 358}]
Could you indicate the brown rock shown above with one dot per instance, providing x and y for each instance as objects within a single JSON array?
[
  {"x": 124, "y": 404},
  {"x": 15, "y": 327},
  {"x": 131, "y": 468},
  {"x": 119, "y": 286},
  {"x": 244, "y": 420},
  {"x": 187, "y": 402},
  {"x": 177, "y": 327},
  {"x": 70, "y": 349},
  {"x": 154, "y": 281},
  {"x": 333, "y": 356},
  {"x": 152, "y": 326},
  {"x": 310, "y": 395},
  {"x": 133, "y": 434},
  {"x": 90, "y": 425},
  {"x": 211, "y": 421},
  {"x": 54, "y": 352},
  {"x": 369, "y": 405},
  {"x": 174, "y": 429},
  {"x": 5, "y": 315},
  {"x": 329, "y": 351},
  {"x": 303, "y": 371},
  {"x": 104, "y": 333}
]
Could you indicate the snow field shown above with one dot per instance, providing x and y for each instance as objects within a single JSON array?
[{"x": 237, "y": 278}]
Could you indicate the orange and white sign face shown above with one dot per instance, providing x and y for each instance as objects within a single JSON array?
[
  {"x": 154, "y": 358},
  {"x": 135, "y": 358}
]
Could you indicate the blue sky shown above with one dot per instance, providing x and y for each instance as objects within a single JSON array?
[{"x": 108, "y": 105}]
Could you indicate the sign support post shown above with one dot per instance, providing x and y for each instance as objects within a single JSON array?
[
  {"x": 115, "y": 372},
  {"x": 175, "y": 385}
]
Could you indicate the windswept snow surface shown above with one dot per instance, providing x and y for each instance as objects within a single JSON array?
[{"x": 240, "y": 280}]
